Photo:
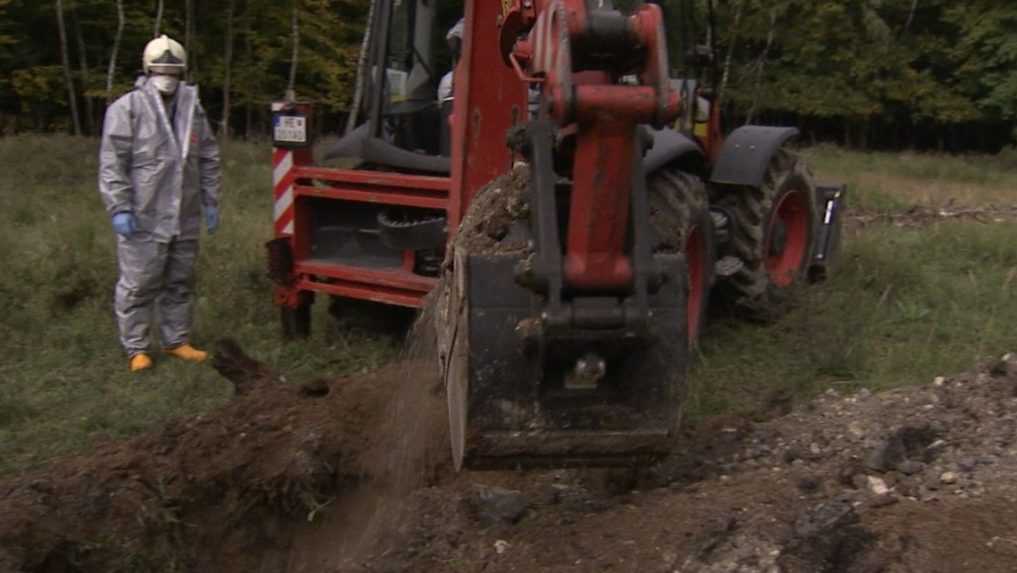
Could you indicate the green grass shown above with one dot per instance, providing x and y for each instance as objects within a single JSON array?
[
  {"x": 906, "y": 305},
  {"x": 885, "y": 182},
  {"x": 63, "y": 377}
]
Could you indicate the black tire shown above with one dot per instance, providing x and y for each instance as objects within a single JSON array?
[
  {"x": 771, "y": 233},
  {"x": 295, "y": 322},
  {"x": 679, "y": 210}
]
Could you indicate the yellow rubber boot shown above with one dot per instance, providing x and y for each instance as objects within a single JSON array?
[
  {"x": 188, "y": 353},
  {"x": 140, "y": 362}
]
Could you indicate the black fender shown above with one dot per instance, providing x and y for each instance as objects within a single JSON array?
[
  {"x": 747, "y": 152},
  {"x": 670, "y": 146}
]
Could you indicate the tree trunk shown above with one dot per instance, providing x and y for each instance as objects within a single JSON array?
[
  {"x": 158, "y": 19},
  {"x": 730, "y": 52},
  {"x": 294, "y": 60},
  {"x": 248, "y": 57},
  {"x": 188, "y": 34},
  {"x": 228, "y": 64},
  {"x": 358, "y": 89},
  {"x": 72, "y": 97},
  {"x": 187, "y": 26},
  {"x": 761, "y": 65},
  {"x": 116, "y": 49},
  {"x": 911, "y": 16},
  {"x": 85, "y": 72}
]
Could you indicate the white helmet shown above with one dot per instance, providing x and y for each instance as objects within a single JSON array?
[{"x": 164, "y": 55}]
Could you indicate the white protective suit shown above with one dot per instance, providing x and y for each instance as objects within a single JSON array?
[{"x": 159, "y": 161}]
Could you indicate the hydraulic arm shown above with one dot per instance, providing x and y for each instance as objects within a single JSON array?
[{"x": 573, "y": 352}]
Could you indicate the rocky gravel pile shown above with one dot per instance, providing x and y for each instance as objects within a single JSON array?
[
  {"x": 918, "y": 479},
  {"x": 957, "y": 436}
]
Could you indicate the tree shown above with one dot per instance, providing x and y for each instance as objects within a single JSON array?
[
  {"x": 228, "y": 64},
  {"x": 358, "y": 89},
  {"x": 881, "y": 72},
  {"x": 116, "y": 49},
  {"x": 7, "y": 42},
  {"x": 986, "y": 55},
  {"x": 158, "y": 18},
  {"x": 72, "y": 97},
  {"x": 295, "y": 39},
  {"x": 86, "y": 73}
]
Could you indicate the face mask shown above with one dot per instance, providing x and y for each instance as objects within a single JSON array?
[{"x": 165, "y": 84}]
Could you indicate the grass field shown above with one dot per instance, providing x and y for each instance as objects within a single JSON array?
[{"x": 907, "y": 304}]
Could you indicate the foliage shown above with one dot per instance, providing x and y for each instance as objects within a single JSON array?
[
  {"x": 330, "y": 31},
  {"x": 986, "y": 55},
  {"x": 903, "y": 63},
  {"x": 926, "y": 72}
]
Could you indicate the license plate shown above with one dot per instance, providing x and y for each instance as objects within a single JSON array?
[{"x": 291, "y": 129}]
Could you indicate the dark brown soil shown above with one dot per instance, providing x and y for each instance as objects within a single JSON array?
[
  {"x": 350, "y": 475},
  {"x": 800, "y": 493},
  {"x": 488, "y": 225},
  {"x": 227, "y": 491}
]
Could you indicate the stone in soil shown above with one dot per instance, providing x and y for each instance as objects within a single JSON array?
[{"x": 494, "y": 505}]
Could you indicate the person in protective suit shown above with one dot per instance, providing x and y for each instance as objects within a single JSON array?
[{"x": 159, "y": 172}]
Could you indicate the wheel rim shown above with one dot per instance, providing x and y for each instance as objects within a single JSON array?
[
  {"x": 787, "y": 238},
  {"x": 695, "y": 254}
]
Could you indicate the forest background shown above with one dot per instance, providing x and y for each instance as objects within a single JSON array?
[{"x": 872, "y": 74}]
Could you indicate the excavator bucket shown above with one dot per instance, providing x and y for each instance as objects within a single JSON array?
[{"x": 598, "y": 382}]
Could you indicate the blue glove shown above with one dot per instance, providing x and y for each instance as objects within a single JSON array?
[
  {"x": 124, "y": 223},
  {"x": 212, "y": 219}
]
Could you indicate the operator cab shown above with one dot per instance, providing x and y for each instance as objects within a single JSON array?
[
  {"x": 405, "y": 122},
  {"x": 404, "y": 125}
]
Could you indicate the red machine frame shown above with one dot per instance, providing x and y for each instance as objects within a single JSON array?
[
  {"x": 483, "y": 112},
  {"x": 602, "y": 114},
  {"x": 399, "y": 287}
]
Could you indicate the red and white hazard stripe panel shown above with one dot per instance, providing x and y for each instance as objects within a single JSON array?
[{"x": 283, "y": 180}]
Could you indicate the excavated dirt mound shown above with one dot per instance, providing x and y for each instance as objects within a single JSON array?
[
  {"x": 351, "y": 475},
  {"x": 487, "y": 226},
  {"x": 226, "y": 491},
  {"x": 919, "y": 479}
]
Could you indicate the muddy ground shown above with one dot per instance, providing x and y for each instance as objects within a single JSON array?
[
  {"x": 921, "y": 479},
  {"x": 315, "y": 477}
]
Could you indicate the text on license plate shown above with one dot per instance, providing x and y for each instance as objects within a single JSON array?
[{"x": 291, "y": 129}]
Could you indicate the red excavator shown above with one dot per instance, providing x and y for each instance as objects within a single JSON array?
[{"x": 633, "y": 216}]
